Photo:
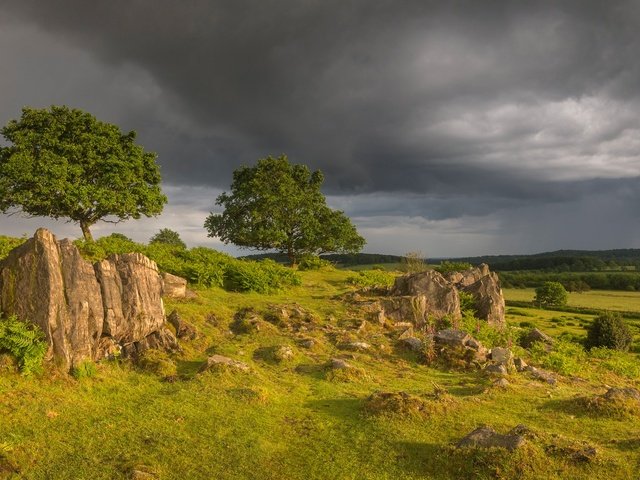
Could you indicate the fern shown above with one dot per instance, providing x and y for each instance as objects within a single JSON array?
[{"x": 25, "y": 342}]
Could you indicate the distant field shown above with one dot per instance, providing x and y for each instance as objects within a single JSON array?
[{"x": 601, "y": 299}]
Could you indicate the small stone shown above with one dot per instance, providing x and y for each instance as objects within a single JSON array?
[
  {"x": 215, "y": 361},
  {"x": 628, "y": 393},
  {"x": 412, "y": 343},
  {"x": 520, "y": 364},
  {"x": 542, "y": 375},
  {"x": 307, "y": 343},
  {"x": 501, "y": 355},
  {"x": 501, "y": 383},
  {"x": 452, "y": 337},
  {"x": 495, "y": 369},
  {"x": 338, "y": 364},
  {"x": 357, "y": 346}
]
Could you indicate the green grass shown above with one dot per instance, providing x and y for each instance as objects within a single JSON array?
[
  {"x": 598, "y": 299},
  {"x": 290, "y": 420}
]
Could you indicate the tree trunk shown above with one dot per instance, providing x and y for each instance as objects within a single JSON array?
[
  {"x": 292, "y": 257},
  {"x": 85, "y": 231}
]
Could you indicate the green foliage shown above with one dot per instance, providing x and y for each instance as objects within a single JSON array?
[
  {"x": 262, "y": 277},
  {"x": 551, "y": 294},
  {"x": 278, "y": 206},
  {"x": 25, "y": 342},
  {"x": 168, "y": 237},
  {"x": 9, "y": 243},
  {"x": 609, "y": 330},
  {"x": 620, "y": 363},
  {"x": 467, "y": 303},
  {"x": 313, "y": 262},
  {"x": 566, "y": 358},
  {"x": 85, "y": 369},
  {"x": 447, "y": 266},
  {"x": 372, "y": 278},
  {"x": 86, "y": 169}
]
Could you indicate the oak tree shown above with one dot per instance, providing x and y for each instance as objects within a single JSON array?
[
  {"x": 276, "y": 205},
  {"x": 64, "y": 163}
]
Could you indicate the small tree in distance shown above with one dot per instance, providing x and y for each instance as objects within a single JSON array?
[
  {"x": 276, "y": 205},
  {"x": 167, "y": 236},
  {"x": 551, "y": 294},
  {"x": 64, "y": 163}
]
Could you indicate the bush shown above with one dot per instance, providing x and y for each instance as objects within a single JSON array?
[
  {"x": 25, "y": 342},
  {"x": 609, "y": 330},
  {"x": 551, "y": 294},
  {"x": 9, "y": 243},
  {"x": 566, "y": 358},
  {"x": 413, "y": 262},
  {"x": 372, "y": 278},
  {"x": 313, "y": 262},
  {"x": 467, "y": 302}
]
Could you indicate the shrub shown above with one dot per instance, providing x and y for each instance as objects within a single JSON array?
[
  {"x": 551, "y": 294},
  {"x": 313, "y": 262},
  {"x": 9, "y": 243},
  {"x": 25, "y": 342},
  {"x": 262, "y": 277},
  {"x": 413, "y": 262},
  {"x": 609, "y": 330},
  {"x": 467, "y": 302},
  {"x": 372, "y": 278},
  {"x": 566, "y": 358}
]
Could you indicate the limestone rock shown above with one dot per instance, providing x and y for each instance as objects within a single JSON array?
[
  {"x": 495, "y": 369},
  {"x": 32, "y": 286},
  {"x": 219, "y": 361},
  {"x": 468, "y": 277},
  {"x": 183, "y": 329},
  {"x": 534, "y": 336},
  {"x": 486, "y": 437},
  {"x": 541, "y": 375},
  {"x": 488, "y": 298},
  {"x": 411, "y": 343},
  {"x": 520, "y": 364},
  {"x": 173, "y": 286},
  {"x": 419, "y": 296},
  {"x": 452, "y": 337},
  {"x": 86, "y": 312},
  {"x": 628, "y": 393}
]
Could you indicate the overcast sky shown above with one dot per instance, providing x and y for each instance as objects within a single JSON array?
[{"x": 451, "y": 127}]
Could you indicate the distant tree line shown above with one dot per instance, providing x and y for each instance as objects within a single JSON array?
[{"x": 573, "y": 282}]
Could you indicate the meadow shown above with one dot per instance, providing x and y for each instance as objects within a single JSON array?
[{"x": 292, "y": 420}]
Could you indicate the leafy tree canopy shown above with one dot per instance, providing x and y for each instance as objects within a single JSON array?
[
  {"x": 167, "y": 236},
  {"x": 276, "y": 205},
  {"x": 551, "y": 293},
  {"x": 64, "y": 163}
]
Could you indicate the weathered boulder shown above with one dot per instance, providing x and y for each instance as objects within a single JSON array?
[
  {"x": 468, "y": 277},
  {"x": 422, "y": 296},
  {"x": 486, "y": 437},
  {"x": 625, "y": 393},
  {"x": 488, "y": 298},
  {"x": 86, "y": 312},
  {"x": 132, "y": 296},
  {"x": 542, "y": 375},
  {"x": 173, "y": 286},
  {"x": 33, "y": 278},
  {"x": 411, "y": 343},
  {"x": 453, "y": 344},
  {"x": 452, "y": 338},
  {"x": 534, "y": 336},
  {"x": 183, "y": 329}
]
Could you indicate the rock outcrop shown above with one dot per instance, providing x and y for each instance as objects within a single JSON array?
[
  {"x": 488, "y": 299},
  {"x": 422, "y": 296},
  {"x": 173, "y": 286},
  {"x": 86, "y": 311}
]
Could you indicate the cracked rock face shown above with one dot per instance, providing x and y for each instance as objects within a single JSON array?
[{"x": 79, "y": 306}]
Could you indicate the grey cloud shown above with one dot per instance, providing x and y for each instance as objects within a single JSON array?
[{"x": 425, "y": 110}]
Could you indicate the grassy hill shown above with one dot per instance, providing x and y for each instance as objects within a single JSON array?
[{"x": 295, "y": 419}]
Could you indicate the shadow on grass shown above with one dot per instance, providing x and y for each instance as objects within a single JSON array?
[
  {"x": 425, "y": 459},
  {"x": 188, "y": 368},
  {"x": 347, "y": 410},
  {"x": 628, "y": 445}
]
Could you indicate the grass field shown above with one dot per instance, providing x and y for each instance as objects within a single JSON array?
[
  {"x": 600, "y": 299},
  {"x": 293, "y": 421}
]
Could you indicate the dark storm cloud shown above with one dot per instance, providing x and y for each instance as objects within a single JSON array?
[{"x": 443, "y": 109}]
